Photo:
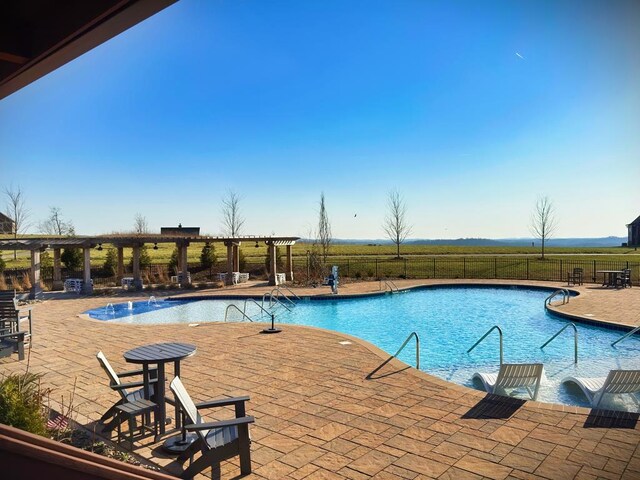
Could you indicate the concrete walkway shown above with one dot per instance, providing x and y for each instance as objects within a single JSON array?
[{"x": 319, "y": 413}]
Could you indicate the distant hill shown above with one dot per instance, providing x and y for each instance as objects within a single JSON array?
[{"x": 488, "y": 242}]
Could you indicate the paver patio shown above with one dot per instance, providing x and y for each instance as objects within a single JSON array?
[{"x": 318, "y": 416}]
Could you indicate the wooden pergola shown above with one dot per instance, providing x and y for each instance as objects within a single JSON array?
[{"x": 136, "y": 242}]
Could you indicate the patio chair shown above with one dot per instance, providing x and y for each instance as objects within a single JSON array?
[
  {"x": 512, "y": 376},
  {"x": 575, "y": 277},
  {"x": 11, "y": 315},
  {"x": 12, "y": 342},
  {"x": 617, "y": 382},
  {"x": 216, "y": 440},
  {"x": 121, "y": 388},
  {"x": 624, "y": 278}
]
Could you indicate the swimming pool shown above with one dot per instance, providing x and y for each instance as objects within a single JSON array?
[{"x": 448, "y": 320}]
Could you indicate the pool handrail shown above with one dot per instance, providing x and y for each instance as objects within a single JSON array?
[
  {"x": 279, "y": 287},
  {"x": 262, "y": 309},
  {"x": 575, "y": 340},
  {"x": 412, "y": 334},
  {"x": 226, "y": 312},
  {"x": 278, "y": 293},
  {"x": 566, "y": 295},
  {"x": 389, "y": 283},
  {"x": 626, "y": 335},
  {"x": 278, "y": 302},
  {"x": 495, "y": 327}
]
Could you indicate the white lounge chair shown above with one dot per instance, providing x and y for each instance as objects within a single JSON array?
[
  {"x": 511, "y": 376},
  {"x": 618, "y": 381}
]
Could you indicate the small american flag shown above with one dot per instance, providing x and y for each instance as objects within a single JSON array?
[{"x": 60, "y": 422}]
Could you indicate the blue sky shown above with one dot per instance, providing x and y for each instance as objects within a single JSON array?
[{"x": 470, "y": 109}]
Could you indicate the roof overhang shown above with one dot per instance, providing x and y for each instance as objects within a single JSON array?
[{"x": 39, "y": 36}]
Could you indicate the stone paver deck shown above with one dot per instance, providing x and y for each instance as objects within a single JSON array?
[{"x": 319, "y": 413}]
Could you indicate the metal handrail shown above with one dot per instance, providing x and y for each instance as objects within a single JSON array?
[
  {"x": 277, "y": 300},
  {"x": 277, "y": 290},
  {"x": 575, "y": 340},
  {"x": 495, "y": 327},
  {"x": 289, "y": 290},
  {"x": 244, "y": 308},
  {"x": 389, "y": 283},
  {"x": 626, "y": 335},
  {"x": 565, "y": 296},
  {"x": 412, "y": 334},
  {"x": 264, "y": 295},
  {"x": 226, "y": 313}
]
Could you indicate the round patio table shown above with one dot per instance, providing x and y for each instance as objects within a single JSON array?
[{"x": 159, "y": 354}]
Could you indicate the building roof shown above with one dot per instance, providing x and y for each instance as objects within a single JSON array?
[
  {"x": 4, "y": 218},
  {"x": 39, "y": 36},
  {"x": 635, "y": 222}
]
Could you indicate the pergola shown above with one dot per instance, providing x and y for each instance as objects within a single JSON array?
[{"x": 136, "y": 242}]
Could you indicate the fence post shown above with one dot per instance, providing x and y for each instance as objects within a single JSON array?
[
  {"x": 434, "y": 267},
  {"x": 464, "y": 267},
  {"x": 377, "y": 276},
  {"x": 594, "y": 272},
  {"x": 561, "y": 270},
  {"x": 348, "y": 267},
  {"x": 405, "y": 267},
  {"x": 495, "y": 267},
  {"x": 528, "y": 268}
]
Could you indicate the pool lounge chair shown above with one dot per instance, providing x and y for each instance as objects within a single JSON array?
[
  {"x": 617, "y": 382},
  {"x": 511, "y": 376},
  {"x": 121, "y": 388},
  {"x": 216, "y": 440}
]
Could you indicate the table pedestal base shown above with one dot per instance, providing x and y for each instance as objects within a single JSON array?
[{"x": 177, "y": 444}]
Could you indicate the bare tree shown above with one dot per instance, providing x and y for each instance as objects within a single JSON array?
[
  {"x": 324, "y": 229},
  {"x": 140, "y": 224},
  {"x": 543, "y": 220},
  {"x": 232, "y": 220},
  {"x": 17, "y": 211},
  {"x": 55, "y": 224},
  {"x": 395, "y": 223}
]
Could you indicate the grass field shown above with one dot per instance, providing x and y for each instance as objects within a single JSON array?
[{"x": 255, "y": 255}]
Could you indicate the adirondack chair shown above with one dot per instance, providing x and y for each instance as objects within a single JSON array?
[
  {"x": 11, "y": 343},
  {"x": 121, "y": 388},
  {"x": 11, "y": 315},
  {"x": 216, "y": 440}
]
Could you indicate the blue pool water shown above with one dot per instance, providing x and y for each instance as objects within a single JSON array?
[{"x": 448, "y": 321}]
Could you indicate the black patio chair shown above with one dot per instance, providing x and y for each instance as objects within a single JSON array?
[
  {"x": 216, "y": 440},
  {"x": 121, "y": 388},
  {"x": 575, "y": 277}
]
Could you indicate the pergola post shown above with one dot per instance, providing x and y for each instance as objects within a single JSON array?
[
  {"x": 87, "y": 287},
  {"x": 229, "y": 277},
  {"x": 137, "y": 278},
  {"x": 184, "y": 264},
  {"x": 273, "y": 261},
  {"x": 120, "y": 269},
  {"x": 289, "y": 263},
  {"x": 34, "y": 275},
  {"x": 179, "y": 265},
  {"x": 58, "y": 284},
  {"x": 236, "y": 257}
]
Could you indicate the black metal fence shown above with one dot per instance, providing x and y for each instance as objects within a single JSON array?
[{"x": 507, "y": 268}]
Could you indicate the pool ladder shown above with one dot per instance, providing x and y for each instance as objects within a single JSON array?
[
  {"x": 575, "y": 340},
  {"x": 626, "y": 335},
  {"x": 389, "y": 283},
  {"x": 412, "y": 334},
  {"x": 235, "y": 307},
  {"x": 495, "y": 327},
  {"x": 565, "y": 296}
]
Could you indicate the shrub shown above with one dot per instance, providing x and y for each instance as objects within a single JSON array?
[
  {"x": 3, "y": 283},
  {"x": 72, "y": 259},
  {"x": 173, "y": 261},
  {"x": 2, "y": 265},
  {"x": 145, "y": 258},
  {"x": 207, "y": 256},
  {"x": 110, "y": 263},
  {"x": 26, "y": 283},
  {"x": 45, "y": 260},
  {"x": 21, "y": 403}
]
